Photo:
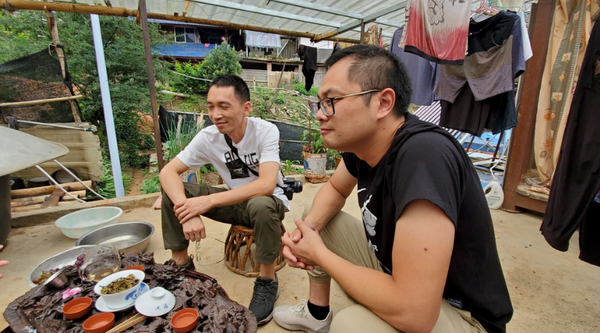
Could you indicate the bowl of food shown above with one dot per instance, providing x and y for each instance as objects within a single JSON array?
[
  {"x": 77, "y": 224},
  {"x": 99, "y": 323},
  {"x": 50, "y": 265},
  {"x": 120, "y": 289},
  {"x": 77, "y": 308},
  {"x": 125, "y": 236}
]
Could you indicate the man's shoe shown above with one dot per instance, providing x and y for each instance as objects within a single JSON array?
[
  {"x": 188, "y": 265},
  {"x": 298, "y": 318},
  {"x": 265, "y": 293}
]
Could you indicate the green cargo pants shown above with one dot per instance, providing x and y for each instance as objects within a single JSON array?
[{"x": 263, "y": 214}]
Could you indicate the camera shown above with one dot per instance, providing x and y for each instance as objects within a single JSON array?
[{"x": 291, "y": 186}]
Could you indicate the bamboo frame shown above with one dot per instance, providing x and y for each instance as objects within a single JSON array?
[
  {"x": 41, "y": 101},
  {"x": 117, "y": 11}
]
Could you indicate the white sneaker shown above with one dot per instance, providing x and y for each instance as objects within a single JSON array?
[{"x": 298, "y": 318}]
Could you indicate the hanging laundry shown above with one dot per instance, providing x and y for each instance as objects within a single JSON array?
[
  {"x": 571, "y": 27},
  {"x": 480, "y": 93},
  {"x": 309, "y": 68},
  {"x": 576, "y": 180},
  {"x": 437, "y": 30},
  {"x": 423, "y": 73},
  {"x": 527, "y": 51}
]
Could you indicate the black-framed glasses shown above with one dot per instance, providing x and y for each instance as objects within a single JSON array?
[{"x": 326, "y": 104}]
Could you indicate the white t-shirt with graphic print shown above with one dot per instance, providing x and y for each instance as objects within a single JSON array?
[{"x": 260, "y": 144}]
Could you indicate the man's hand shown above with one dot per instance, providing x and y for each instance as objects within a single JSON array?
[
  {"x": 194, "y": 230},
  {"x": 192, "y": 207},
  {"x": 302, "y": 246}
]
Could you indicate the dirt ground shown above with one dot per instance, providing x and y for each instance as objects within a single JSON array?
[{"x": 551, "y": 291}]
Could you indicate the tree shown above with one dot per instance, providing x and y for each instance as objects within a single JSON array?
[
  {"x": 219, "y": 61},
  {"x": 26, "y": 32}
]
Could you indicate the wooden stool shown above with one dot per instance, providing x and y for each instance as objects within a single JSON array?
[{"x": 238, "y": 249}]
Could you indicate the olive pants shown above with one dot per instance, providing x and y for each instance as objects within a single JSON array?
[{"x": 263, "y": 214}]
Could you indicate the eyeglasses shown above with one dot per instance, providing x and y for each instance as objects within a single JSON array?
[{"x": 326, "y": 104}]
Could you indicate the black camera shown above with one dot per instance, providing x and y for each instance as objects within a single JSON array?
[{"x": 291, "y": 186}]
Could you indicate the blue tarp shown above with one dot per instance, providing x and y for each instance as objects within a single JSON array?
[{"x": 188, "y": 50}]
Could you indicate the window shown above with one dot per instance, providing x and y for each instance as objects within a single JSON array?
[{"x": 185, "y": 35}]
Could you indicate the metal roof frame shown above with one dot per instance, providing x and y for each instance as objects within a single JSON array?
[{"x": 314, "y": 19}]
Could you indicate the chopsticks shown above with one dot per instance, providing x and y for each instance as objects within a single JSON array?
[{"x": 134, "y": 320}]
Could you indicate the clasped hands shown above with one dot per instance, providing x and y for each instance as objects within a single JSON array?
[
  {"x": 188, "y": 212},
  {"x": 302, "y": 246}
]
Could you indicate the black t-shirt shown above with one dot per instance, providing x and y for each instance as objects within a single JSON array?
[{"x": 425, "y": 162}]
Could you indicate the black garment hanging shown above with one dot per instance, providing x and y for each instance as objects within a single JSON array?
[
  {"x": 576, "y": 180},
  {"x": 309, "y": 55}
]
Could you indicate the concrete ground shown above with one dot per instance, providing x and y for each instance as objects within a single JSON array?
[{"x": 551, "y": 291}]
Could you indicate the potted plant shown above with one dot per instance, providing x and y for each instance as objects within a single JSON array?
[{"x": 315, "y": 156}]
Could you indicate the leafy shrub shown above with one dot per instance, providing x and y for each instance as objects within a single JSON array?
[
  {"x": 220, "y": 61},
  {"x": 299, "y": 87},
  {"x": 150, "y": 185},
  {"x": 106, "y": 187}
]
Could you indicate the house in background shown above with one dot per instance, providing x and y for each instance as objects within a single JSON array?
[{"x": 268, "y": 59}]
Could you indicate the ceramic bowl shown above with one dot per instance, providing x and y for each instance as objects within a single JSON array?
[
  {"x": 99, "y": 323},
  {"x": 118, "y": 300},
  {"x": 77, "y": 308},
  {"x": 136, "y": 267},
  {"x": 156, "y": 302},
  {"x": 184, "y": 320},
  {"x": 76, "y": 224}
]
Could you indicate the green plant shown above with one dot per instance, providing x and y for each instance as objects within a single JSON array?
[
  {"x": 289, "y": 167},
  {"x": 106, "y": 187},
  {"x": 150, "y": 185},
  {"x": 220, "y": 61},
  {"x": 314, "y": 142},
  {"x": 300, "y": 87},
  {"x": 179, "y": 135}
]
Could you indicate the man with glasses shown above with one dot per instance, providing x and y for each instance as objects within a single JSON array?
[{"x": 424, "y": 258}]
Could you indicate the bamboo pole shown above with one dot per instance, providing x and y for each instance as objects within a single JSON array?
[
  {"x": 27, "y": 192},
  {"x": 19, "y": 202},
  {"x": 143, "y": 20},
  {"x": 117, "y": 11},
  {"x": 39, "y": 206},
  {"x": 41, "y": 101},
  {"x": 61, "y": 56}
]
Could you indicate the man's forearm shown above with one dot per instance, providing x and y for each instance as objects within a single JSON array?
[
  {"x": 172, "y": 185},
  {"x": 326, "y": 204},
  {"x": 241, "y": 194}
]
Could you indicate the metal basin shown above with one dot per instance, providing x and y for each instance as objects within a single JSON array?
[
  {"x": 58, "y": 260},
  {"x": 125, "y": 237}
]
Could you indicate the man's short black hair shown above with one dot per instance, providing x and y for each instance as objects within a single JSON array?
[
  {"x": 239, "y": 86},
  {"x": 375, "y": 68}
]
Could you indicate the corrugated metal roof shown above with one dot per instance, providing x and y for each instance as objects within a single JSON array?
[{"x": 311, "y": 16}]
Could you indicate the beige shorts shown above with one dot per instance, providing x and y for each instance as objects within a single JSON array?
[{"x": 345, "y": 236}]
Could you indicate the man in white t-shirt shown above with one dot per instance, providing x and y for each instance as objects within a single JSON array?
[{"x": 249, "y": 165}]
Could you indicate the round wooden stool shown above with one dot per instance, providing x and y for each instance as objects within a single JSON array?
[{"x": 239, "y": 257}]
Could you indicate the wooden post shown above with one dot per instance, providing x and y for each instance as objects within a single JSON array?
[
  {"x": 150, "y": 67},
  {"x": 61, "y": 56},
  {"x": 522, "y": 136},
  {"x": 362, "y": 31}
]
